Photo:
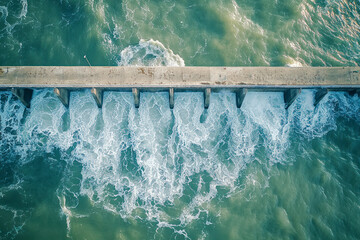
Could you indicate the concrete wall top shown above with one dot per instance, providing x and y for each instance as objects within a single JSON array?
[{"x": 179, "y": 77}]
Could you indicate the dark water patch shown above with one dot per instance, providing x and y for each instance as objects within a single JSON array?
[
  {"x": 44, "y": 223},
  {"x": 207, "y": 19},
  {"x": 270, "y": 15}
]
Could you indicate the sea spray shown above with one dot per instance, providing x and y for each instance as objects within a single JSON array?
[
  {"x": 149, "y": 53},
  {"x": 149, "y": 157}
]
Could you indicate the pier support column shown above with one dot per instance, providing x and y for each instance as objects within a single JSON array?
[
  {"x": 97, "y": 93},
  {"x": 320, "y": 94},
  {"x": 171, "y": 98},
  {"x": 290, "y": 95},
  {"x": 207, "y": 94},
  {"x": 136, "y": 94},
  {"x": 64, "y": 95},
  {"x": 354, "y": 91},
  {"x": 24, "y": 95},
  {"x": 240, "y": 95}
]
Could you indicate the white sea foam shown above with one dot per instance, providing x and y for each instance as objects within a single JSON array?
[
  {"x": 16, "y": 217},
  {"x": 149, "y": 53},
  {"x": 66, "y": 212},
  {"x": 24, "y": 9},
  {"x": 290, "y": 62},
  {"x": 4, "y": 14},
  {"x": 268, "y": 117},
  {"x": 145, "y": 158},
  {"x": 310, "y": 120}
]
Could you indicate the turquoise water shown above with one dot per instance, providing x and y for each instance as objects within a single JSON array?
[{"x": 259, "y": 172}]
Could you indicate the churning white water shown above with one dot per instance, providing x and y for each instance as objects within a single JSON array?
[{"x": 144, "y": 158}]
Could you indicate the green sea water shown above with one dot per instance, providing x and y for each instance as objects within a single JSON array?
[{"x": 259, "y": 172}]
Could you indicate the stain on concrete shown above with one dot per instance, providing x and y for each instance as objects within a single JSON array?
[{"x": 146, "y": 71}]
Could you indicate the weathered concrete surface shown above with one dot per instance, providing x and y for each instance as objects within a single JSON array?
[{"x": 180, "y": 77}]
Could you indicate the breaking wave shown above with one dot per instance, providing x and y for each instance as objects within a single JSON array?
[
  {"x": 147, "y": 159},
  {"x": 149, "y": 53}
]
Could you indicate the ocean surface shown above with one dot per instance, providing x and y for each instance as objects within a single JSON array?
[{"x": 259, "y": 172}]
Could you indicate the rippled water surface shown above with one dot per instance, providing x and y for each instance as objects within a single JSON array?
[{"x": 259, "y": 172}]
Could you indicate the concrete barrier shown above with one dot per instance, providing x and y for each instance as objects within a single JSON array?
[
  {"x": 319, "y": 95},
  {"x": 24, "y": 95},
  {"x": 64, "y": 95},
  {"x": 207, "y": 79},
  {"x": 290, "y": 95},
  {"x": 207, "y": 94},
  {"x": 171, "y": 98},
  {"x": 240, "y": 96},
  {"x": 98, "y": 96},
  {"x": 136, "y": 94}
]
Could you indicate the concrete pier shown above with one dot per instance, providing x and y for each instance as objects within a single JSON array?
[
  {"x": 64, "y": 95},
  {"x": 204, "y": 79},
  {"x": 136, "y": 94},
  {"x": 24, "y": 95},
  {"x": 171, "y": 98},
  {"x": 207, "y": 94},
  {"x": 240, "y": 96},
  {"x": 180, "y": 77},
  {"x": 97, "y": 93},
  {"x": 290, "y": 95},
  {"x": 319, "y": 95}
]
